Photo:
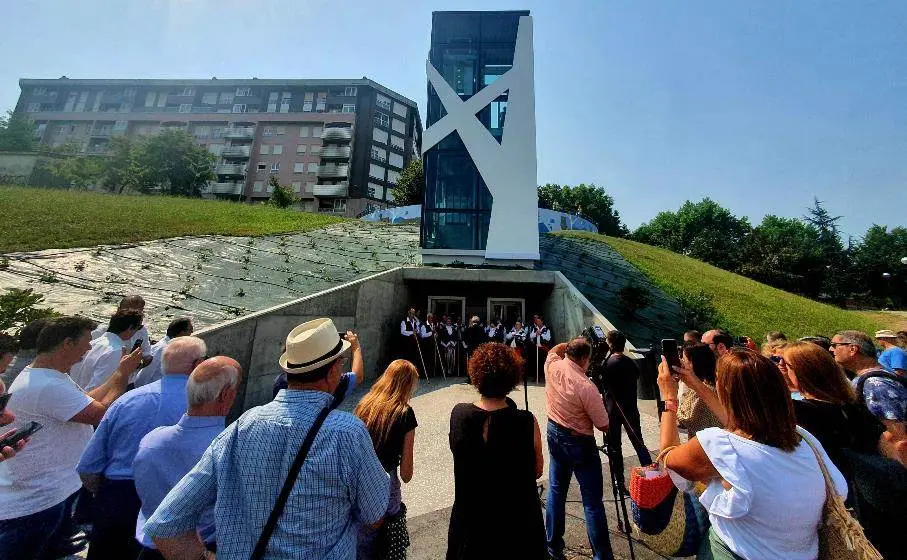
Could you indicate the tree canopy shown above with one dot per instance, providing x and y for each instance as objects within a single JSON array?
[
  {"x": 589, "y": 200},
  {"x": 410, "y": 185},
  {"x": 17, "y": 133}
]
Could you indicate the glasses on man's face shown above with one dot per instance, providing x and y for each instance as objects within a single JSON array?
[{"x": 834, "y": 345}]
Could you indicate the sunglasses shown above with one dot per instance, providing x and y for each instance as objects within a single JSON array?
[
  {"x": 836, "y": 344},
  {"x": 776, "y": 359}
]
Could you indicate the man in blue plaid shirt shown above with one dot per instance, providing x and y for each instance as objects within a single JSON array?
[{"x": 341, "y": 486}]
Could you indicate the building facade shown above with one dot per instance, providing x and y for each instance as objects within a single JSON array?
[
  {"x": 340, "y": 144},
  {"x": 480, "y": 156}
]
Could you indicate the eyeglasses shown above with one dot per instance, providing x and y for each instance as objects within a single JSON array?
[
  {"x": 776, "y": 359},
  {"x": 836, "y": 344}
]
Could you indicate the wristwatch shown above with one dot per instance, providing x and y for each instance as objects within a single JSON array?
[{"x": 671, "y": 404}]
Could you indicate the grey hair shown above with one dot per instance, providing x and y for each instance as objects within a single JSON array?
[
  {"x": 207, "y": 391},
  {"x": 860, "y": 339},
  {"x": 183, "y": 349}
]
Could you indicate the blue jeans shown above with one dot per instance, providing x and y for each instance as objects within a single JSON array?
[
  {"x": 24, "y": 538},
  {"x": 574, "y": 454}
]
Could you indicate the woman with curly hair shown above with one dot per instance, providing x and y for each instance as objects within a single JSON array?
[
  {"x": 392, "y": 424},
  {"x": 497, "y": 452}
]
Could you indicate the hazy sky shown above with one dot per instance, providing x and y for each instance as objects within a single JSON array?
[{"x": 759, "y": 105}]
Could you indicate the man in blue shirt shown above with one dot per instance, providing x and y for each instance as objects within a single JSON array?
[
  {"x": 106, "y": 463},
  {"x": 166, "y": 454},
  {"x": 893, "y": 357},
  {"x": 340, "y": 487}
]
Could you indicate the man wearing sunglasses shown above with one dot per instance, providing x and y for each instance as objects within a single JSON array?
[{"x": 885, "y": 395}]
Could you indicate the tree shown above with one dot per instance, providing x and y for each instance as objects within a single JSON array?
[
  {"x": 20, "y": 307},
  {"x": 80, "y": 171},
  {"x": 124, "y": 167},
  {"x": 281, "y": 195},
  {"x": 17, "y": 133},
  {"x": 703, "y": 230},
  {"x": 879, "y": 253},
  {"x": 589, "y": 200},
  {"x": 835, "y": 284},
  {"x": 176, "y": 162},
  {"x": 411, "y": 185},
  {"x": 784, "y": 253}
]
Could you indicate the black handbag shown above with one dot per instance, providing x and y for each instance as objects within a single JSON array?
[{"x": 393, "y": 537}]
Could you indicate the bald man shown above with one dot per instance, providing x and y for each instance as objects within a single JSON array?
[
  {"x": 166, "y": 454},
  {"x": 106, "y": 464}
]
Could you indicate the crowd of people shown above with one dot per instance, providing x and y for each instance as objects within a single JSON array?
[{"x": 135, "y": 457}]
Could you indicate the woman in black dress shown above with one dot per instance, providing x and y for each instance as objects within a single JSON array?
[{"x": 497, "y": 451}]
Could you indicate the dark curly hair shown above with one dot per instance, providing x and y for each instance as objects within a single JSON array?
[{"x": 495, "y": 369}]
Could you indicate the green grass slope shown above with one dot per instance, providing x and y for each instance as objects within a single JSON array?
[
  {"x": 35, "y": 218},
  {"x": 746, "y": 307}
]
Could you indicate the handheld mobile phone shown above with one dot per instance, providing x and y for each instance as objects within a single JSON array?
[
  {"x": 669, "y": 351},
  {"x": 20, "y": 434},
  {"x": 137, "y": 345},
  {"x": 4, "y": 398}
]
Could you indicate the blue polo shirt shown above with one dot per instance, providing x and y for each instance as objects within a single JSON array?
[
  {"x": 114, "y": 444},
  {"x": 893, "y": 358}
]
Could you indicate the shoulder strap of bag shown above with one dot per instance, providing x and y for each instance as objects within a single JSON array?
[
  {"x": 829, "y": 484},
  {"x": 288, "y": 484}
]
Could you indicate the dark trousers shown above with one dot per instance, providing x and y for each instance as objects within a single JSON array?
[
  {"x": 570, "y": 455},
  {"x": 25, "y": 538},
  {"x": 116, "y": 508},
  {"x": 627, "y": 414}
]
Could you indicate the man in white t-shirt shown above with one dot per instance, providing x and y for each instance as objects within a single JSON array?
[
  {"x": 43, "y": 475},
  {"x": 103, "y": 358},
  {"x": 129, "y": 303}
]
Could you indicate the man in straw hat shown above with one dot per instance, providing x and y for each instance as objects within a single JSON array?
[
  {"x": 340, "y": 486},
  {"x": 893, "y": 357}
]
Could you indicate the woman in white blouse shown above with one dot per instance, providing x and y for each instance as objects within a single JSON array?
[{"x": 765, "y": 490}]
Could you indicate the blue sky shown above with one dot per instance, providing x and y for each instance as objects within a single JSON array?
[{"x": 759, "y": 105}]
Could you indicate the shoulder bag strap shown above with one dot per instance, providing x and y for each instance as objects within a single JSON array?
[
  {"x": 262, "y": 544},
  {"x": 829, "y": 484}
]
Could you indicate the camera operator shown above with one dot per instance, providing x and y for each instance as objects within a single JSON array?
[
  {"x": 574, "y": 406},
  {"x": 619, "y": 383}
]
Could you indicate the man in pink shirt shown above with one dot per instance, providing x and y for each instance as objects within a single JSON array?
[{"x": 574, "y": 408}]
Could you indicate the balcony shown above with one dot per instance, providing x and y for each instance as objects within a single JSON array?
[
  {"x": 112, "y": 98},
  {"x": 227, "y": 188},
  {"x": 101, "y": 132},
  {"x": 331, "y": 191},
  {"x": 240, "y": 132},
  {"x": 335, "y": 152},
  {"x": 236, "y": 152},
  {"x": 46, "y": 97},
  {"x": 337, "y": 134},
  {"x": 333, "y": 171},
  {"x": 230, "y": 169}
]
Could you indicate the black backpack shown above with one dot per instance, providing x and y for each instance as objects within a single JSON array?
[{"x": 861, "y": 380}]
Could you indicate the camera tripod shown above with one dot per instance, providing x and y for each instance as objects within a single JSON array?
[{"x": 620, "y": 496}]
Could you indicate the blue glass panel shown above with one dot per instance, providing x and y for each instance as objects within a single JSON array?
[{"x": 449, "y": 230}]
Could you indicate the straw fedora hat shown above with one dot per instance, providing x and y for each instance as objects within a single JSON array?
[
  {"x": 886, "y": 333},
  {"x": 312, "y": 345}
]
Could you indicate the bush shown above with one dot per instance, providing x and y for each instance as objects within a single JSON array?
[
  {"x": 633, "y": 299},
  {"x": 698, "y": 311},
  {"x": 20, "y": 307},
  {"x": 282, "y": 196}
]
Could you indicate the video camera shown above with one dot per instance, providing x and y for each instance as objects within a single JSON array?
[{"x": 595, "y": 336}]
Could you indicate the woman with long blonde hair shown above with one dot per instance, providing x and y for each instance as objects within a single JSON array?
[{"x": 392, "y": 424}]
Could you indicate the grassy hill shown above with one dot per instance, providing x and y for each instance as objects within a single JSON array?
[
  {"x": 35, "y": 218},
  {"x": 746, "y": 307}
]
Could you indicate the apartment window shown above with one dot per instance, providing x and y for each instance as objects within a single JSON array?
[
  {"x": 399, "y": 126},
  {"x": 280, "y": 130},
  {"x": 187, "y": 108},
  {"x": 399, "y": 109},
  {"x": 60, "y": 131},
  {"x": 215, "y": 148},
  {"x": 262, "y": 166},
  {"x": 188, "y": 91},
  {"x": 202, "y": 131},
  {"x": 39, "y": 91},
  {"x": 397, "y": 143},
  {"x": 272, "y": 107},
  {"x": 265, "y": 149},
  {"x": 396, "y": 160},
  {"x": 313, "y": 168},
  {"x": 150, "y": 98},
  {"x": 275, "y": 167},
  {"x": 269, "y": 131},
  {"x": 297, "y": 186},
  {"x": 348, "y": 108},
  {"x": 273, "y": 96},
  {"x": 299, "y": 167},
  {"x": 130, "y": 92},
  {"x": 217, "y": 132},
  {"x": 307, "y": 102},
  {"x": 270, "y": 186},
  {"x": 392, "y": 176},
  {"x": 382, "y": 120},
  {"x": 239, "y": 108},
  {"x": 257, "y": 186},
  {"x": 375, "y": 191},
  {"x": 303, "y": 132},
  {"x": 226, "y": 98},
  {"x": 379, "y": 154},
  {"x": 119, "y": 126},
  {"x": 309, "y": 96},
  {"x": 208, "y": 98},
  {"x": 379, "y": 136},
  {"x": 322, "y": 99},
  {"x": 376, "y": 171},
  {"x": 286, "y": 96},
  {"x": 349, "y": 91},
  {"x": 278, "y": 150},
  {"x": 300, "y": 149},
  {"x": 315, "y": 150},
  {"x": 243, "y": 92},
  {"x": 33, "y": 107},
  {"x": 316, "y": 132},
  {"x": 384, "y": 102}
]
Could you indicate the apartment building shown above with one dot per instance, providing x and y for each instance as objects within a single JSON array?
[{"x": 340, "y": 144}]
